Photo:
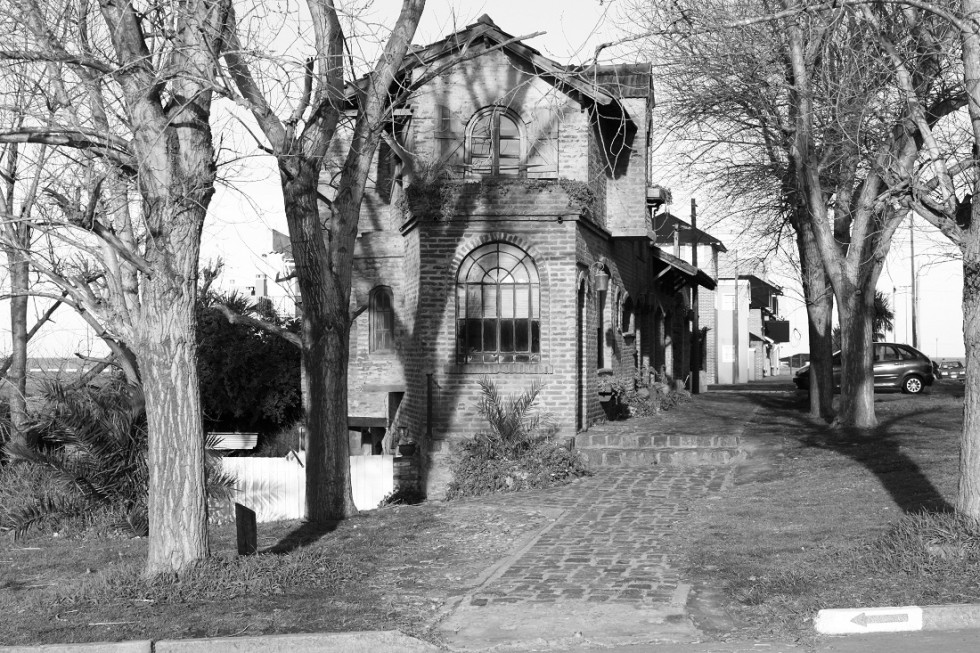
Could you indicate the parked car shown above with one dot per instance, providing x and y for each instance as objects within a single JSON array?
[
  {"x": 895, "y": 366},
  {"x": 952, "y": 370}
]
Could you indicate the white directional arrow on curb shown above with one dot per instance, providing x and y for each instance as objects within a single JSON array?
[{"x": 868, "y": 620}]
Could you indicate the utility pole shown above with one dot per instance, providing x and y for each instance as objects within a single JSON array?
[
  {"x": 696, "y": 340},
  {"x": 915, "y": 334}
]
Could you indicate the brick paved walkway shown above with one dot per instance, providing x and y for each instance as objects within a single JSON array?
[{"x": 615, "y": 542}]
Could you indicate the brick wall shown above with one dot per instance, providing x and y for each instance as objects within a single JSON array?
[{"x": 626, "y": 209}]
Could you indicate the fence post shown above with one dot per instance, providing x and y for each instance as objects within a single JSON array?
[{"x": 248, "y": 538}]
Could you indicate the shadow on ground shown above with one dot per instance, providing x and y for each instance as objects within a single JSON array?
[
  {"x": 878, "y": 449},
  {"x": 304, "y": 535}
]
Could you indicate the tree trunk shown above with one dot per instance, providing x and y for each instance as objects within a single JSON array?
[
  {"x": 16, "y": 380},
  {"x": 819, "y": 299},
  {"x": 968, "y": 493},
  {"x": 177, "y": 501},
  {"x": 325, "y": 349},
  {"x": 166, "y": 350},
  {"x": 857, "y": 404}
]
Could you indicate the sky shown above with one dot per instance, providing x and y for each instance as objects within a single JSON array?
[{"x": 247, "y": 204}]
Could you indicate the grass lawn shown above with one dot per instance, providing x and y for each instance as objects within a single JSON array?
[
  {"x": 395, "y": 568},
  {"x": 837, "y": 520}
]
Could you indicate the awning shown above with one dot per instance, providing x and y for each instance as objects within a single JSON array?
[
  {"x": 761, "y": 338},
  {"x": 675, "y": 273}
]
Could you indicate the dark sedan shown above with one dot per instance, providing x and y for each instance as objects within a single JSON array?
[
  {"x": 952, "y": 370},
  {"x": 895, "y": 366}
]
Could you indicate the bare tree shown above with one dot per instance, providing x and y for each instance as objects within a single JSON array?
[
  {"x": 942, "y": 188},
  {"x": 844, "y": 138},
  {"x": 725, "y": 106},
  {"x": 132, "y": 84},
  {"x": 322, "y": 228}
]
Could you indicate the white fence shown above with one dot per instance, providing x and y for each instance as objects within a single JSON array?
[{"x": 275, "y": 488}]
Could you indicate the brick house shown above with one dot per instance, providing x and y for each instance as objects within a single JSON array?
[{"x": 508, "y": 232}]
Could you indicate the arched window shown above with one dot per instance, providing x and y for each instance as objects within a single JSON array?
[
  {"x": 382, "y": 320},
  {"x": 495, "y": 144},
  {"x": 497, "y": 312}
]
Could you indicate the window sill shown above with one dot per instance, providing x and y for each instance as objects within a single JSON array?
[{"x": 498, "y": 368}]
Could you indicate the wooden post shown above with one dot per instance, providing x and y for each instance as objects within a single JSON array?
[
  {"x": 248, "y": 538},
  {"x": 695, "y": 325}
]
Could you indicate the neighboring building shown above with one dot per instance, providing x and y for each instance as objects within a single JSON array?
[
  {"x": 680, "y": 238},
  {"x": 749, "y": 330},
  {"x": 515, "y": 242},
  {"x": 272, "y": 279}
]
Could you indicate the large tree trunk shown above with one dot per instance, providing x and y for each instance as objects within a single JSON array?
[
  {"x": 16, "y": 379},
  {"x": 819, "y": 298},
  {"x": 166, "y": 349},
  {"x": 325, "y": 347},
  {"x": 968, "y": 494},
  {"x": 165, "y": 344},
  {"x": 177, "y": 501},
  {"x": 857, "y": 403}
]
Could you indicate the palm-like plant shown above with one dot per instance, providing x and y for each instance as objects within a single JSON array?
[
  {"x": 512, "y": 426},
  {"x": 884, "y": 317},
  {"x": 92, "y": 441}
]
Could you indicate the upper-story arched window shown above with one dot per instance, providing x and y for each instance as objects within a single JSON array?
[
  {"x": 495, "y": 144},
  {"x": 382, "y": 320},
  {"x": 497, "y": 312}
]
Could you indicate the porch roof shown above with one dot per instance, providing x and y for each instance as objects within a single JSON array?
[{"x": 676, "y": 273}]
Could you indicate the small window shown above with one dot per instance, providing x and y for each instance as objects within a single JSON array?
[
  {"x": 382, "y": 320},
  {"x": 495, "y": 144}
]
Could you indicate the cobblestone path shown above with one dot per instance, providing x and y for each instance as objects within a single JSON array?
[{"x": 616, "y": 541}]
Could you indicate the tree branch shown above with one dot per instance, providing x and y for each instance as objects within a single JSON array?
[
  {"x": 88, "y": 222},
  {"x": 106, "y": 145},
  {"x": 268, "y": 121},
  {"x": 238, "y": 318},
  {"x": 58, "y": 57}
]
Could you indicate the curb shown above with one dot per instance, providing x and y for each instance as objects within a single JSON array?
[
  {"x": 355, "y": 642},
  {"x": 863, "y": 621}
]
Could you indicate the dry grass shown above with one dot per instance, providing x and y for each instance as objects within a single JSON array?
[
  {"x": 842, "y": 519},
  {"x": 397, "y": 567}
]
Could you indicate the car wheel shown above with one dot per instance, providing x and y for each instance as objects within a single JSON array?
[{"x": 912, "y": 385}]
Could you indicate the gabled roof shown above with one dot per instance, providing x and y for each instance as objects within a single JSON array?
[
  {"x": 665, "y": 224},
  {"x": 485, "y": 28},
  {"x": 678, "y": 273},
  {"x": 601, "y": 84}
]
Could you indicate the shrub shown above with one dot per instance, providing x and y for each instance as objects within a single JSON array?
[
  {"x": 517, "y": 451},
  {"x": 250, "y": 379},
  {"x": 662, "y": 394},
  {"x": 403, "y": 496},
  {"x": 85, "y": 461}
]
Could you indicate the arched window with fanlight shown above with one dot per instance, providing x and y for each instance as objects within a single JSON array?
[
  {"x": 381, "y": 320},
  {"x": 495, "y": 144},
  {"x": 497, "y": 309}
]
